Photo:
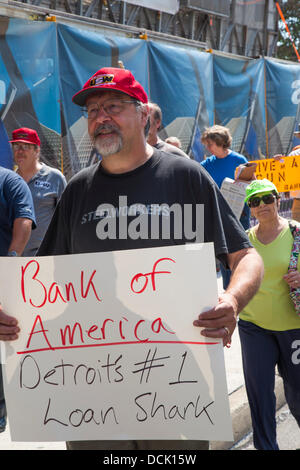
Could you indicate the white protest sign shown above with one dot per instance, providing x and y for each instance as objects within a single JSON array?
[
  {"x": 108, "y": 349},
  {"x": 234, "y": 192}
]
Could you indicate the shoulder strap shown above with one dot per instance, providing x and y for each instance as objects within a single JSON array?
[{"x": 295, "y": 230}]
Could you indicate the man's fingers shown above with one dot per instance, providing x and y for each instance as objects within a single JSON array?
[
  {"x": 8, "y": 327},
  {"x": 9, "y": 330},
  {"x": 215, "y": 323},
  {"x": 216, "y": 318},
  {"x": 213, "y": 314},
  {"x": 225, "y": 333},
  {"x": 8, "y": 333},
  {"x": 219, "y": 322},
  {"x": 214, "y": 332},
  {"x": 7, "y": 319},
  {"x": 10, "y": 337}
]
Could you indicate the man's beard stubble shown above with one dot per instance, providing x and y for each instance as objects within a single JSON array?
[{"x": 109, "y": 145}]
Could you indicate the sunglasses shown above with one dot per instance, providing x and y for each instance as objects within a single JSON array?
[{"x": 266, "y": 199}]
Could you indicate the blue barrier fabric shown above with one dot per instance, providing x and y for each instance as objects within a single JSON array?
[{"x": 43, "y": 64}]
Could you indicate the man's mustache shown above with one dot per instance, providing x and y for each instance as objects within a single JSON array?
[{"x": 105, "y": 127}]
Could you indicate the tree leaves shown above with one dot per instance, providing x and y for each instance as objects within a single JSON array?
[{"x": 291, "y": 13}]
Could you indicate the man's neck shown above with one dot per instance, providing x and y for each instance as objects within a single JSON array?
[
  {"x": 122, "y": 162},
  {"x": 28, "y": 173},
  {"x": 153, "y": 139}
]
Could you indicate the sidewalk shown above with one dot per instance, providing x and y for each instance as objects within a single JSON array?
[{"x": 240, "y": 413}]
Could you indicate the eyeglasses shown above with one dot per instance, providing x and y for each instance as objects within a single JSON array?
[
  {"x": 112, "y": 108},
  {"x": 17, "y": 146},
  {"x": 266, "y": 199}
]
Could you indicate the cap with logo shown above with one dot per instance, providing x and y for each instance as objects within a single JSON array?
[
  {"x": 259, "y": 186},
  {"x": 111, "y": 78},
  {"x": 25, "y": 135}
]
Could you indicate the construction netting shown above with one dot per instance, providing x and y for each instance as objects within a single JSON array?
[{"x": 43, "y": 64}]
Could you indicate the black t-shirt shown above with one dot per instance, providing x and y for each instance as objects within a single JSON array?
[{"x": 159, "y": 203}]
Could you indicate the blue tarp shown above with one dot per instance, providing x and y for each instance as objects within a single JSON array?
[{"x": 30, "y": 78}]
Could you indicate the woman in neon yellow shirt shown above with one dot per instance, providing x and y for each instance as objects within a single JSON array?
[{"x": 269, "y": 327}]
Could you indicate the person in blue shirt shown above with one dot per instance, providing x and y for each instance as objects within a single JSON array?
[
  {"x": 222, "y": 164},
  {"x": 17, "y": 218}
]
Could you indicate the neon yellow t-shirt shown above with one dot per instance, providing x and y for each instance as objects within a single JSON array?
[{"x": 271, "y": 308}]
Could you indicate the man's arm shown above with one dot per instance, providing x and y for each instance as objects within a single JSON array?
[
  {"x": 247, "y": 273},
  {"x": 20, "y": 235},
  {"x": 21, "y": 232}
]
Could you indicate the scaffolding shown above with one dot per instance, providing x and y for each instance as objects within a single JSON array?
[{"x": 238, "y": 27}]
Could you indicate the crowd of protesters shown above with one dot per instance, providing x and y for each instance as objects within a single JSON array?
[{"x": 40, "y": 215}]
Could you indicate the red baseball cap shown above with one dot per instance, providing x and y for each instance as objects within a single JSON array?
[
  {"x": 110, "y": 78},
  {"x": 26, "y": 135}
]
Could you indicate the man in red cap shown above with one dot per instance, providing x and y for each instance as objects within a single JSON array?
[
  {"x": 149, "y": 182},
  {"x": 45, "y": 183}
]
